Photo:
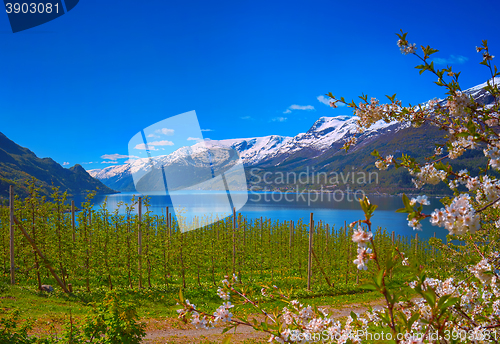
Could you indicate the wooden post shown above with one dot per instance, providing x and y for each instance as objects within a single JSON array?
[
  {"x": 242, "y": 252},
  {"x": 261, "y": 244},
  {"x": 234, "y": 240},
  {"x": 168, "y": 224},
  {"x": 73, "y": 219},
  {"x": 348, "y": 244},
  {"x": 47, "y": 264},
  {"x": 433, "y": 248},
  {"x": 309, "y": 261},
  {"x": 11, "y": 211},
  {"x": 139, "y": 239},
  {"x": 393, "y": 239},
  {"x": 327, "y": 237},
  {"x": 321, "y": 269},
  {"x": 271, "y": 260},
  {"x": 416, "y": 244},
  {"x": 290, "y": 242},
  {"x": 244, "y": 232}
]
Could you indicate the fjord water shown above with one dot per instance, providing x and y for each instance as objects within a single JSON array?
[{"x": 290, "y": 206}]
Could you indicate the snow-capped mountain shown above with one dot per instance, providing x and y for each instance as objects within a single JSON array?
[
  {"x": 326, "y": 133},
  {"x": 318, "y": 146},
  {"x": 480, "y": 95}
]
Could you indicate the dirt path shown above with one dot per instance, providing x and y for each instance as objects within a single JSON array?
[{"x": 173, "y": 331}]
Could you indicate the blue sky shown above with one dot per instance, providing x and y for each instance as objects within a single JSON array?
[{"x": 80, "y": 87}]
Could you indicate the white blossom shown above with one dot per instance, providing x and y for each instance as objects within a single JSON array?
[
  {"x": 361, "y": 237},
  {"x": 458, "y": 218},
  {"x": 223, "y": 294}
]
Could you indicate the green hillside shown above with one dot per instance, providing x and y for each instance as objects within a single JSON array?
[{"x": 18, "y": 165}]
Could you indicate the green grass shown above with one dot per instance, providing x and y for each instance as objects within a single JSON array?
[{"x": 156, "y": 302}]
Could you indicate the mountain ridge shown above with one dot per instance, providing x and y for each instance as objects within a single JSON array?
[
  {"x": 318, "y": 147},
  {"x": 18, "y": 165}
]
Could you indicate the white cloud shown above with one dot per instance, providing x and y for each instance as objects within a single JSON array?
[
  {"x": 326, "y": 101},
  {"x": 278, "y": 119},
  {"x": 129, "y": 161},
  {"x": 153, "y": 135},
  {"x": 161, "y": 143},
  {"x": 65, "y": 163},
  {"x": 301, "y": 107},
  {"x": 453, "y": 59},
  {"x": 108, "y": 162},
  {"x": 246, "y": 117},
  {"x": 116, "y": 156},
  {"x": 165, "y": 131},
  {"x": 298, "y": 107},
  {"x": 194, "y": 139},
  {"x": 142, "y": 146},
  {"x": 206, "y": 130}
]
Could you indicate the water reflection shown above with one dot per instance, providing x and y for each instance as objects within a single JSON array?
[{"x": 277, "y": 207}]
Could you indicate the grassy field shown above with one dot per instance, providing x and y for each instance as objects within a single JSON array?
[
  {"x": 50, "y": 312},
  {"x": 98, "y": 252}
]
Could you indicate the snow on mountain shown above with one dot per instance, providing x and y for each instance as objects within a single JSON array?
[
  {"x": 480, "y": 95},
  {"x": 321, "y": 136},
  {"x": 325, "y": 134},
  {"x": 329, "y": 130},
  {"x": 256, "y": 149}
]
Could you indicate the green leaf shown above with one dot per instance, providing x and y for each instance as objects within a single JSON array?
[
  {"x": 430, "y": 297},
  {"x": 378, "y": 278},
  {"x": 406, "y": 201},
  {"x": 391, "y": 98},
  {"x": 390, "y": 264},
  {"x": 412, "y": 319},
  {"x": 181, "y": 297},
  {"x": 369, "y": 286},
  {"x": 354, "y": 316},
  {"x": 363, "y": 205},
  {"x": 450, "y": 302}
]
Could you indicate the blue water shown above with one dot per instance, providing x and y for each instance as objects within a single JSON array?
[{"x": 294, "y": 207}]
